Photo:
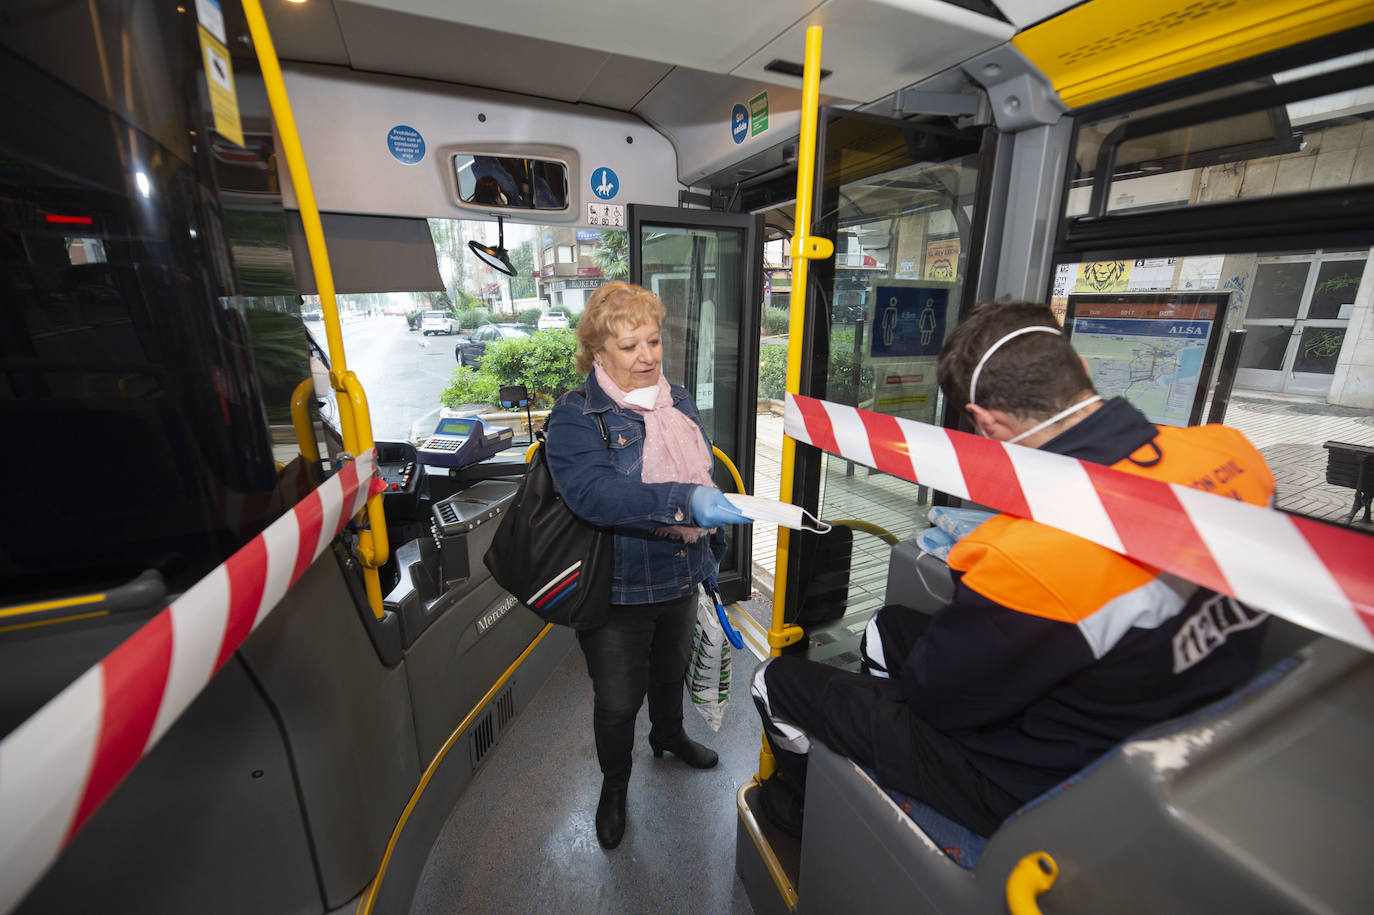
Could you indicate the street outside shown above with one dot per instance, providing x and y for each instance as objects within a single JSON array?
[{"x": 402, "y": 371}]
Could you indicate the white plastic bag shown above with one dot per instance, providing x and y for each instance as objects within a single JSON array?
[{"x": 708, "y": 673}]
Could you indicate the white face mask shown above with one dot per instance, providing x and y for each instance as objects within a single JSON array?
[
  {"x": 1056, "y": 418},
  {"x": 775, "y": 512}
]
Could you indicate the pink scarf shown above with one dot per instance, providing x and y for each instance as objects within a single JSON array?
[{"x": 674, "y": 449}]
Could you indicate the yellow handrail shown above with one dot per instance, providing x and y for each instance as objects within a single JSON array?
[
  {"x": 805, "y": 248},
  {"x": 1032, "y": 875},
  {"x": 730, "y": 466},
  {"x": 881, "y": 533},
  {"x": 353, "y": 414},
  {"x": 300, "y": 420}
]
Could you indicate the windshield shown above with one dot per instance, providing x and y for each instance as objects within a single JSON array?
[{"x": 414, "y": 379}]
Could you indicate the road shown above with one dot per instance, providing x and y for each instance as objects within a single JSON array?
[{"x": 402, "y": 372}]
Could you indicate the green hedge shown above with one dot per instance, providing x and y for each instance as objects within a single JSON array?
[
  {"x": 544, "y": 363},
  {"x": 473, "y": 318},
  {"x": 528, "y": 316},
  {"x": 773, "y": 367}
]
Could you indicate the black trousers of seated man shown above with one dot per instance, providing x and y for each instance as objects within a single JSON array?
[{"x": 869, "y": 720}]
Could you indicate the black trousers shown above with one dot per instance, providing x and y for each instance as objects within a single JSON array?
[
  {"x": 869, "y": 720},
  {"x": 642, "y": 648}
]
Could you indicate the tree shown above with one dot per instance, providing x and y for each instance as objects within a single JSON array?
[
  {"x": 522, "y": 259},
  {"x": 451, "y": 249},
  {"x": 612, "y": 254}
]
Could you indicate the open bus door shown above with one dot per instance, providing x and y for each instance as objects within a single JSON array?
[
  {"x": 707, "y": 267},
  {"x": 905, "y": 204}
]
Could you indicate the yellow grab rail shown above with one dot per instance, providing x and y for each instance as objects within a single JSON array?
[
  {"x": 353, "y": 414},
  {"x": 300, "y": 421},
  {"x": 805, "y": 248},
  {"x": 1032, "y": 875},
  {"x": 730, "y": 466}
]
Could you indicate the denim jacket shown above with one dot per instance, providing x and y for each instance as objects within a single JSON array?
[{"x": 601, "y": 483}]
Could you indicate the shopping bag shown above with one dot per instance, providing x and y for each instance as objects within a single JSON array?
[{"x": 708, "y": 679}]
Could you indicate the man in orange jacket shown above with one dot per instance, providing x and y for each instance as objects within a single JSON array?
[{"x": 1053, "y": 649}]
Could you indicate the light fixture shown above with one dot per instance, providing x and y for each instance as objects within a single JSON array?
[
  {"x": 497, "y": 258},
  {"x": 144, "y": 186}
]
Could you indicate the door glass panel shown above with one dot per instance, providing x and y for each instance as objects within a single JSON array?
[
  {"x": 1318, "y": 350},
  {"x": 696, "y": 273},
  {"x": 899, "y": 205},
  {"x": 700, "y": 268},
  {"x": 1278, "y": 289},
  {"x": 1264, "y": 346},
  {"x": 1334, "y": 294}
]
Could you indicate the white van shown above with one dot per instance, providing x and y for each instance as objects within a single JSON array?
[{"x": 438, "y": 322}]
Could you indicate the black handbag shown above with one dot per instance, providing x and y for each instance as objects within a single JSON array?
[{"x": 556, "y": 564}]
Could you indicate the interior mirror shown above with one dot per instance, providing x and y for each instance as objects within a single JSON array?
[
  {"x": 511, "y": 182},
  {"x": 496, "y": 257}
]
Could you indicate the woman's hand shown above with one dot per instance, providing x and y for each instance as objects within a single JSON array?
[{"x": 710, "y": 508}]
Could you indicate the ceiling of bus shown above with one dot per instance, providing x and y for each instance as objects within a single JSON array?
[
  {"x": 680, "y": 66},
  {"x": 872, "y": 47}
]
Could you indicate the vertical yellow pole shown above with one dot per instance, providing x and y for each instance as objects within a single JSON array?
[
  {"x": 353, "y": 415},
  {"x": 805, "y": 248}
]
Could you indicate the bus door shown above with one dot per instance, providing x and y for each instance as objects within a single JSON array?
[
  {"x": 904, "y": 203},
  {"x": 707, "y": 267}
]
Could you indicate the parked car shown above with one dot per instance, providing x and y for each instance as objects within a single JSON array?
[
  {"x": 553, "y": 320},
  {"x": 469, "y": 352},
  {"x": 438, "y": 322}
]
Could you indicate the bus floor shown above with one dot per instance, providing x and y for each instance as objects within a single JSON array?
[{"x": 522, "y": 837}]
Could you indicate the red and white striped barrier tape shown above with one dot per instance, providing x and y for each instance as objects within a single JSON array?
[
  {"x": 1317, "y": 575},
  {"x": 57, "y": 768}
]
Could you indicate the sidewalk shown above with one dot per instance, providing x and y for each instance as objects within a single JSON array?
[{"x": 1288, "y": 434}]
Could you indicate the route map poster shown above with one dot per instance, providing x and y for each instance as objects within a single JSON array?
[{"x": 1156, "y": 351}]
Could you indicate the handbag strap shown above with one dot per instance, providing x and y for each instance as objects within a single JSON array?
[{"x": 600, "y": 419}]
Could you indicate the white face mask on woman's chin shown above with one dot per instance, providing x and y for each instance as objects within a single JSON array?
[{"x": 632, "y": 356}]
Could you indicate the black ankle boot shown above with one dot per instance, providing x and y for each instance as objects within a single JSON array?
[
  {"x": 685, "y": 749},
  {"x": 610, "y": 816}
]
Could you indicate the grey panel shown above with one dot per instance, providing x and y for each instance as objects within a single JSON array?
[
  {"x": 306, "y": 31},
  {"x": 208, "y": 822},
  {"x": 917, "y": 579},
  {"x": 1029, "y": 192},
  {"x": 623, "y": 81},
  {"x": 368, "y": 253},
  {"x": 40, "y": 662},
  {"x": 453, "y": 774},
  {"x": 455, "y": 661},
  {"x": 386, "y": 42},
  {"x": 348, "y": 722}
]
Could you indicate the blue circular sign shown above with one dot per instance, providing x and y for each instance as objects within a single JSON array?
[
  {"x": 406, "y": 144},
  {"x": 605, "y": 183},
  {"x": 739, "y": 123}
]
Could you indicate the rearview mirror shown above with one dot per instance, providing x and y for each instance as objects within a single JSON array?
[{"x": 511, "y": 182}]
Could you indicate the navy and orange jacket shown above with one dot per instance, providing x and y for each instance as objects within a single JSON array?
[{"x": 1054, "y": 649}]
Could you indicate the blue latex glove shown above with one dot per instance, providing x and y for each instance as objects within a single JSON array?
[{"x": 710, "y": 508}]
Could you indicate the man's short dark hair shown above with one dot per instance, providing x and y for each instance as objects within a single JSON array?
[{"x": 1031, "y": 376}]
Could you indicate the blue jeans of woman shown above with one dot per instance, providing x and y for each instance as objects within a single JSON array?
[{"x": 642, "y": 648}]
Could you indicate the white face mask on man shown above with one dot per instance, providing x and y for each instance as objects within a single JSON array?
[{"x": 978, "y": 370}]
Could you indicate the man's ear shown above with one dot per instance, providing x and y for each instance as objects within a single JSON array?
[
  {"x": 983, "y": 419},
  {"x": 1086, "y": 370},
  {"x": 995, "y": 424}
]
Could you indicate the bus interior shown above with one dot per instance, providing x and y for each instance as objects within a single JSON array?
[{"x": 398, "y": 734}]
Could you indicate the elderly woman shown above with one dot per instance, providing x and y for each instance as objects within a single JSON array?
[{"x": 648, "y": 480}]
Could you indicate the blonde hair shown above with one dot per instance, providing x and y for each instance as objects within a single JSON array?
[{"x": 610, "y": 305}]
